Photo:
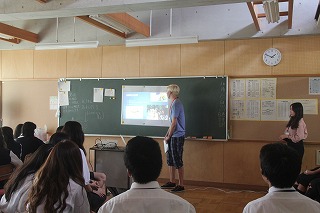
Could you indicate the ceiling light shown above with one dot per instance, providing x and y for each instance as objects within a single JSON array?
[
  {"x": 103, "y": 19},
  {"x": 271, "y": 9},
  {"x": 161, "y": 41},
  {"x": 66, "y": 45}
]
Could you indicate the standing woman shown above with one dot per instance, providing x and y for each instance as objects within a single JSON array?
[
  {"x": 296, "y": 130},
  {"x": 58, "y": 185}
]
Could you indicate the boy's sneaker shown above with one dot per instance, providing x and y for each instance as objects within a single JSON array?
[
  {"x": 178, "y": 188},
  {"x": 168, "y": 185}
]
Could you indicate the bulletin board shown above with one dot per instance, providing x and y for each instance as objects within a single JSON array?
[{"x": 286, "y": 88}]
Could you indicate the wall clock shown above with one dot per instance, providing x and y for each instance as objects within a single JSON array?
[{"x": 271, "y": 57}]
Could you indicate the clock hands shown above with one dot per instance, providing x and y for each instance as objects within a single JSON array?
[
  {"x": 273, "y": 55},
  {"x": 269, "y": 55}
]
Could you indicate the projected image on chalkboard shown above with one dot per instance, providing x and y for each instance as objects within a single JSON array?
[{"x": 144, "y": 105}]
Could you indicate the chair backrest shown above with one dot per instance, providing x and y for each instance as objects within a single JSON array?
[{"x": 6, "y": 171}]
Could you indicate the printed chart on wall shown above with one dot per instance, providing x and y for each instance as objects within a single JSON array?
[{"x": 141, "y": 107}]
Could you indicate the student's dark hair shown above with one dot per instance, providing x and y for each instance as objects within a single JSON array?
[
  {"x": 58, "y": 137},
  {"x": 75, "y": 132},
  {"x": 143, "y": 159},
  {"x": 3, "y": 143},
  {"x": 280, "y": 164},
  {"x": 17, "y": 131},
  {"x": 59, "y": 128},
  {"x": 50, "y": 185},
  {"x": 28, "y": 129},
  {"x": 7, "y": 134},
  {"x": 294, "y": 120},
  {"x": 30, "y": 166}
]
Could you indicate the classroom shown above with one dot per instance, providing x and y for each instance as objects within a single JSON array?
[{"x": 30, "y": 77}]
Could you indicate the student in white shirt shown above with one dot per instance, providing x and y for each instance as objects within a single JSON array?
[
  {"x": 280, "y": 167},
  {"x": 143, "y": 160}
]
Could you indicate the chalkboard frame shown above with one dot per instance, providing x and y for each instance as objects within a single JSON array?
[{"x": 193, "y": 94}]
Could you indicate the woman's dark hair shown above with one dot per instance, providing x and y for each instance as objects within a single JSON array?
[
  {"x": 30, "y": 166},
  {"x": 143, "y": 159},
  {"x": 2, "y": 141},
  {"x": 17, "y": 131},
  {"x": 28, "y": 129},
  {"x": 297, "y": 108},
  {"x": 50, "y": 185},
  {"x": 75, "y": 132},
  {"x": 7, "y": 134},
  {"x": 58, "y": 137}
]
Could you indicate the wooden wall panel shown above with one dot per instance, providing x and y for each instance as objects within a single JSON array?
[
  {"x": 244, "y": 57},
  {"x": 29, "y": 101},
  {"x": 160, "y": 61},
  {"x": 204, "y": 58},
  {"x": 119, "y": 61},
  {"x": 85, "y": 63},
  {"x": 50, "y": 64},
  {"x": 0, "y": 64},
  {"x": 309, "y": 158},
  {"x": 300, "y": 55},
  {"x": 17, "y": 64},
  {"x": 241, "y": 163}
]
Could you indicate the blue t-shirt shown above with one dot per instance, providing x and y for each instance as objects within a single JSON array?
[{"x": 177, "y": 111}]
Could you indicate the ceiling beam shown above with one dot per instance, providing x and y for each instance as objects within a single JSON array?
[
  {"x": 11, "y": 40},
  {"x": 316, "y": 17},
  {"x": 42, "y": 1},
  {"x": 102, "y": 26},
  {"x": 18, "y": 33},
  {"x": 262, "y": 15},
  {"x": 130, "y": 22},
  {"x": 290, "y": 13},
  {"x": 254, "y": 15}
]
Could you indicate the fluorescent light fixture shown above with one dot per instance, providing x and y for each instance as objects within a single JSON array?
[
  {"x": 66, "y": 45},
  {"x": 271, "y": 9},
  {"x": 111, "y": 23},
  {"x": 4, "y": 36},
  {"x": 161, "y": 41}
]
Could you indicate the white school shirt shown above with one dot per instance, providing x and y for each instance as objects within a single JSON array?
[
  {"x": 282, "y": 200},
  {"x": 85, "y": 168},
  {"x": 18, "y": 197},
  {"x": 147, "y": 198}
]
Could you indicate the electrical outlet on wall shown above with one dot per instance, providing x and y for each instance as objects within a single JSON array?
[{"x": 317, "y": 157}]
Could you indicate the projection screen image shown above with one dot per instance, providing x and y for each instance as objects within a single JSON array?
[{"x": 144, "y": 105}]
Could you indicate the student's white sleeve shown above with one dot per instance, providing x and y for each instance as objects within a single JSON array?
[
  {"x": 15, "y": 160},
  {"x": 85, "y": 168}
]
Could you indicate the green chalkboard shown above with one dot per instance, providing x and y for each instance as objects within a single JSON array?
[{"x": 204, "y": 99}]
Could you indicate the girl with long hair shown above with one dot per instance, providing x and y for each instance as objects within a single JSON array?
[
  {"x": 58, "y": 185},
  {"x": 17, "y": 187},
  {"x": 296, "y": 129}
]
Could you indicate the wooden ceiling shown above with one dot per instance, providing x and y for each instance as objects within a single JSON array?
[{"x": 16, "y": 34}]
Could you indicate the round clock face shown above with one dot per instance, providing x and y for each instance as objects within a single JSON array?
[{"x": 271, "y": 57}]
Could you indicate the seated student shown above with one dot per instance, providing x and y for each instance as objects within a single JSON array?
[
  {"x": 58, "y": 185},
  {"x": 143, "y": 160},
  {"x": 11, "y": 143},
  {"x": 313, "y": 190},
  {"x": 7, "y": 156},
  {"x": 280, "y": 166},
  {"x": 17, "y": 131},
  {"x": 28, "y": 141},
  {"x": 59, "y": 128},
  {"x": 17, "y": 187},
  {"x": 306, "y": 177},
  {"x": 75, "y": 132}
]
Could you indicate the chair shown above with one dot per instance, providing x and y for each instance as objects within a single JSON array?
[{"x": 5, "y": 172}]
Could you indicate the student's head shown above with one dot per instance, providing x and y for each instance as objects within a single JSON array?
[
  {"x": 52, "y": 180},
  {"x": 2, "y": 141},
  {"x": 59, "y": 128},
  {"x": 280, "y": 164},
  {"x": 296, "y": 110},
  {"x": 143, "y": 159},
  {"x": 7, "y": 134},
  {"x": 173, "y": 89},
  {"x": 18, "y": 131},
  {"x": 75, "y": 132},
  {"x": 58, "y": 137},
  {"x": 28, "y": 129},
  {"x": 30, "y": 166}
]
